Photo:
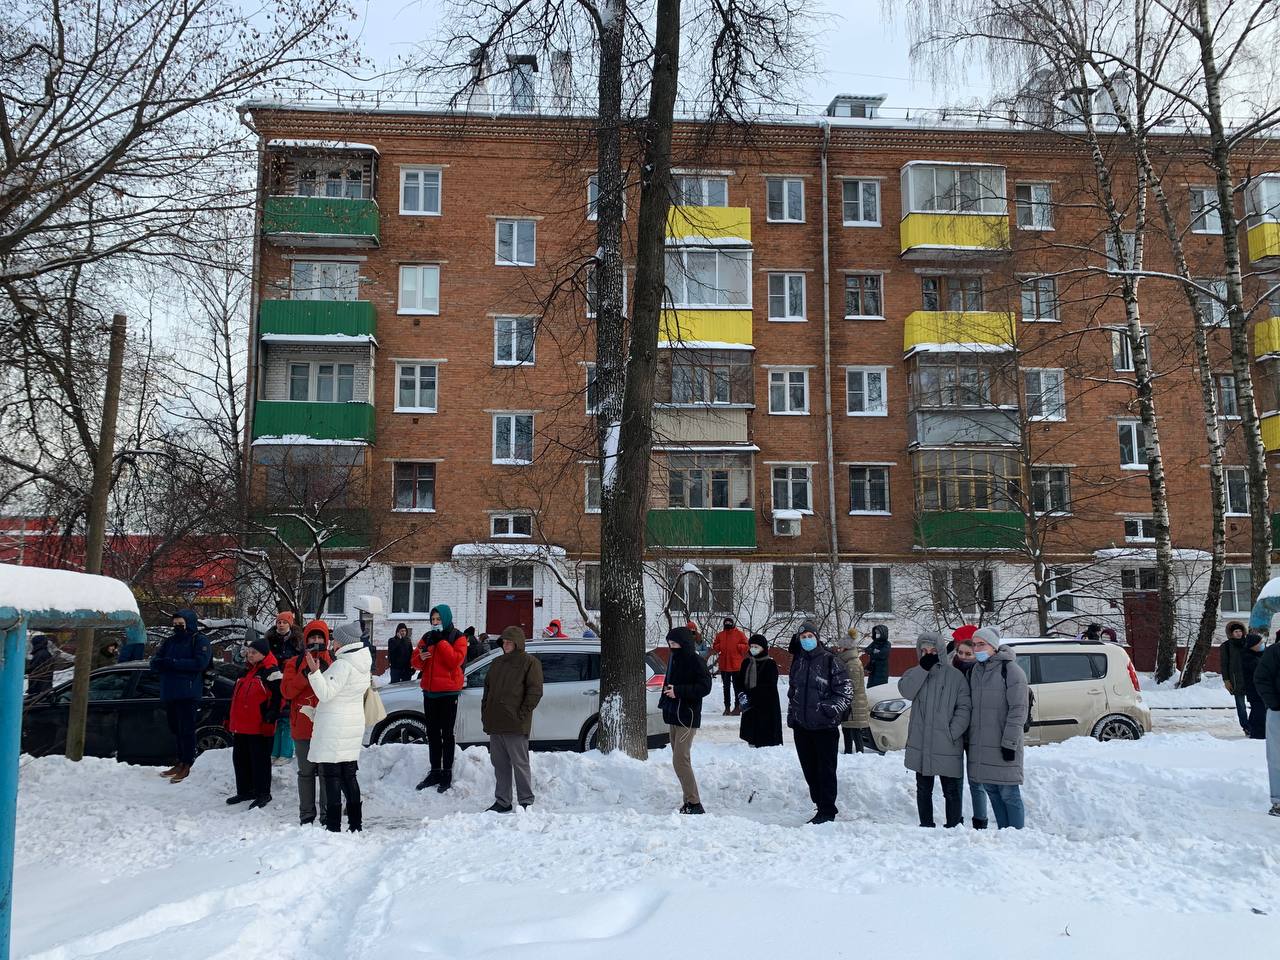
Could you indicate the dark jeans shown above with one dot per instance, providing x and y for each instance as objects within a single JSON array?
[
  {"x": 340, "y": 783},
  {"x": 730, "y": 681},
  {"x": 442, "y": 714},
  {"x": 817, "y": 751},
  {"x": 1242, "y": 711},
  {"x": 950, "y": 797},
  {"x": 251, "y": 759},
  {"x": 400, "y": 676},
  {"x": 181, "y": 715},
  {"x": 1257, "y": 720},
  {"x": 852, "y": 739}
]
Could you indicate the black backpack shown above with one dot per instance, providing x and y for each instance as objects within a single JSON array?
[{"x": 1031, "y": 697}]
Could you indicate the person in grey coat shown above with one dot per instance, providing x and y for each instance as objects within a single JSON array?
[
  {"x": 939, "y": 696},
  {"x": 1000, "y": 702}
]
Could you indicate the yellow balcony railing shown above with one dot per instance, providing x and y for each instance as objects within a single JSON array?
[
  {"x": 1271, "y": 432},
  {"x": 1264, "y": 242},
  {"x": 982, "y": 327},
  {"x": 706, "y": 326},
  {"x": 1266, "y": 337},
  {"x": 709, "y": 223},
  {"x": 943, "y": 235}
]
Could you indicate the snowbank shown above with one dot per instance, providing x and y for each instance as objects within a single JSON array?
[
  {"x": 1209, "y": 692},
  {"x": 38, "y": 588}
]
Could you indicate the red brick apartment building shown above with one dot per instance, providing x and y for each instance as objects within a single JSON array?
[{"x": 838, "y": 363}]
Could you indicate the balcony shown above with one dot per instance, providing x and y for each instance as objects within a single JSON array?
[
  {"x": 709, "y": 424},
  {"x": 731, "y": 529},
  {"x": 709, "y": 225},
  {"x": 1266, "y": 338},
  {"x": 969, "y": 529},
  {"x": 1264, "y": 244},
  {"x": 973, "y": 329},
  {"x": 320, "y": 222},
  {"x": 284, "y": 421},
  {"x": 962, "y": 426},
  {"x": 348, "y": 529},
  {"x": 1270, "y": 432},
  {"x": 959, "y": 236},
  {"x": 286, "y": 319},
  {"x": 699, "y": 327}
]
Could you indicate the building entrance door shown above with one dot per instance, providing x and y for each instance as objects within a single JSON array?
[{"x": 507, "y": 608}]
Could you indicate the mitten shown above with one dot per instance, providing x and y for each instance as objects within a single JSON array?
[{"x": 1007, "y": 754}]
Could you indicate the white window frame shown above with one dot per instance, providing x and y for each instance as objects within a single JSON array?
[
  {"x": 1208, "y": 211},
  {"x": 510, "y": 518},
  {"x": 864, "y": 372},
  {"x": 862, "y": 295},
  {"x": 1122, "y": 348},
  {"x": 590, "y": 482},
  {"x": 402, "y": 365},
  {"x": 703, "y": 180},
  {"x": 1214, "y": 308},
  {"x": 888, "y": 495},
  {"x": 434, "y": 478},
  {"x": 994, "y": 204},
  {"x": 871, "y": 591},
  {"x": 744, "y": 256},
  {"x": 1135, "y": 429},
  {"x": 1043, "y": 206},
  {"x": 862, "y": 186},
  {"x": 413, "y": 581},
  {"x": 1241, "y": 474},
  {"x": 1057, "y": 593},
  {"x": 592, "y": 409},
  {"x": 1234, "y": 574},
  {"x": 424, "y": 307},
  {"x": 788, "y": 280},
  {"x": 512, "y": 338},
  {"x": 788, "y": 215},
  {"x": 351, "y": 285},
  {"x": 1050, "y": 509},
  {"x": 593, "y": 187},
  {"x": 313, "y": 372},
  {"x": 515, "y": 224},
  {"x": 439, "y": 172},
  {"x": 1220, "y": 388},
  {"x": 513, "y": 417},
  {"x": 791, "y": 480},
  {"x": 1130, "y": 238},
  {"x": 786, "y": 375},
  {"x": 1057, "y": 410},
  {"x": 1142, "y": 521}
]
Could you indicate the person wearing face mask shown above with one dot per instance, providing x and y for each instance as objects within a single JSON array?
[
  {"x": 255, "y": 708},
  {"x": 758, "y": 701},
  {"x": 940, "y": 708},
  {"x": 1257, "y": 728},
  {"x": 818, "y": 694},
  {"x": 730, "y": 646},
  {"x": 400, "y": 654},
  {"x": 181, "y": 661},
  {"x": 687, "y": 681},
  {"x": 295, "y": 686},
  {"x": 857, "y": 720},
  {"x": 339, "y": 723},
  {"x": 1231, "y": 666},
  {"x": 877, "y": 652},
  {"x": 439, "y": 656},
  {"x": 963, "y": 660},
  {"x": 1001, "y": 703}
]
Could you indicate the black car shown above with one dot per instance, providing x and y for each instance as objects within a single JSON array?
[{"x": 126, "y": 719}]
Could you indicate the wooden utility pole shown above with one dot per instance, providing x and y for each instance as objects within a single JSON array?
[{"x": 96, "y": 534}]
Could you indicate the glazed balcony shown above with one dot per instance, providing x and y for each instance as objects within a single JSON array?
[{"x": 953, "y": 211}]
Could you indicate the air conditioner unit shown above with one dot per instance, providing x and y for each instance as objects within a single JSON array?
[{"x": 786, "y": 523}]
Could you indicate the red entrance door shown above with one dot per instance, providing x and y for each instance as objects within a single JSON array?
[
  {"x": 507, "y": 608},
  {"x": 1142, "y": 627}
]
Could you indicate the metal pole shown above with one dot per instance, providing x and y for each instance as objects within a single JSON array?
[
  {"x": 96, "y": 533},
  {"x": 13, "y": 650}
]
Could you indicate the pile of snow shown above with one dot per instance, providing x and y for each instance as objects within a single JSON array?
[
  {"x": 39, "y": 588},
  {"x": 1209, "y": 692}
]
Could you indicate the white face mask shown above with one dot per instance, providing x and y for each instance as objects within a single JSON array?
[{"x": 756, "y": 651}]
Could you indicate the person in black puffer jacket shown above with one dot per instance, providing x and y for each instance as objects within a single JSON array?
[
  {"x": 687, "y": 681},
  {"x": 1257, "y": 729},
  {"x": 819, "y": 693},
  {"x": 877, "y": 652}
]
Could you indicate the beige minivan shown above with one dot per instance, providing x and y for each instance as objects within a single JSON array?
[{"x": 1081, "y": 688}]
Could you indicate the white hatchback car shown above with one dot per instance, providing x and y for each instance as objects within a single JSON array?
[
  {"x": 1080, "y": 687},
  {"x": 567, "y": 718}
]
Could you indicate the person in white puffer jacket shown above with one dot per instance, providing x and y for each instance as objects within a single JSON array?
[{"x": 339, "y": 723}]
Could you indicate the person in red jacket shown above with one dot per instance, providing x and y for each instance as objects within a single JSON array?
[
  {"x": 255, "y": 707},
  {"x": 730, "y": 646},
  {"x": 296, "y": 688},
  {"x": 440, "y": 655}
]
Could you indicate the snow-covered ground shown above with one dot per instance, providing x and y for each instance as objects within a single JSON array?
[
  {"x": 1160, "y": 848},
  {"x": 1209, "y": 692}
]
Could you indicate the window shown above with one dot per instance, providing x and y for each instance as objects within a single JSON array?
[
  {"x": 336, "y": 606},
  {"x": 691, "y": 593},
  {"x": 944, "y": 188},
  {"x": 793, "y": 589},
  {"x": 871, "y": 590},
  {"x": 591, "y": 586},
  {"x": 1133, "y": 445},
  {"x": 511, "y": 525},
  {"x": 1236, "y": 595},
  {"x": 1045, "y": 394},
  {"x": 565, "y": 667},
  {"x": 709, "y": 278},
  {"x": 789, "y": 391},
  {"x": 411, "y": 590},
  {"x": 1122, "y": 350},
  {"x": 516, "y": 242},
  {"x": 420, "y": 192},
  {"x": 1034, "y": 206},
  {"x": 1130, "y": 252},
  {"x": 1228, "y": 399},
  {"x": 791, "y": 488},
  {"x": 513, "y": 340},
  {"x": 1139, "y": 529},
  {"x": 1237, "y": 490},
  {"x": 522, "y": 84},
  {"x": 1138, "y": 578},
  {"x": 593, "y": 492},
  {"x": 865, "y": 394},
  {"x": 593, "y": 196},
  {"x": 961, "y": 380},
  {"x": 324, "y": 280},
  {"x": 517, "y": 577},
  {"x": 962, "y": 590},
  {"x": 1212, "y": 302},
  {"x": 415, "y": 486},
  {"x": 862, "y": 296},
  {"x": 694, "y": 191},
  {"x": 861, "y": 203},
  {"x": 868, "y": 489},
  {"x": 416, "y": 387},
  {"x": 419, "y": 289},
  {"x": 1039, "y": 299},
  {"x": 950, "y": 293},
  {"x": 1051, "y": 489},
  {"x": 786, "y": 296},
  {"x": 784, "y": 200},
  {"x": 1059, "y": 591},
  {"x": 709, "y": 480},
  {"x": 1071, "y": 667},
  {"x": 322, "y": 382},
  {"x": 109, "y": 686},
  {"x": 513, "y": 438},
  {"x": 592, "y": 391},
  {"x": 704, "y": 377},
  {"x": 1205, "y": 214},
  {"x": 317, "y": 179},
  {"x": 971, "y": 480}
]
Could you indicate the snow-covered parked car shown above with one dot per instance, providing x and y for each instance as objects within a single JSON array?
[
  {"x": 567, "y": 718},
  {"x": 1081, "y": 688}
]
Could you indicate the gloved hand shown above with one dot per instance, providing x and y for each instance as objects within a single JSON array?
[
  {"x": 1008, "y": 754},
  {"x": 929, "y": 661},
  {"x": 742, "y": 701}
]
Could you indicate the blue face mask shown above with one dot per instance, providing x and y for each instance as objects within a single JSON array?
[
  {"x": 982, "y": 657},
  {"x": 809, "y": 643}
]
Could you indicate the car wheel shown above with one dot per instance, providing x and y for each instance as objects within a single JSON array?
[
  {"x": 401, "y": 728},
  {"x": 590, "y": 737},
  {"x": 211, "y": 738},
  {"x": 1116, "y": 727}
]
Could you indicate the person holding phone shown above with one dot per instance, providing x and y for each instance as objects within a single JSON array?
[
  {"x": 296, "y": 688},
  {"x": 338, "y": 733},
  {"x": 687, "y": 682}
]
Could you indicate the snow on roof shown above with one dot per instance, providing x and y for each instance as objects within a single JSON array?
[
  {"x": 39, "y": 588},
  {"x": 702, "y": 345},
  {"x": 1148, "y": 553},
  {"x": 322, "y": 144},
  {"x": 960, "y": 348},
  {"x": 531, "y": 551}
]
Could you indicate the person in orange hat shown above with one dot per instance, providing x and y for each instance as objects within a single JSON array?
[{"x": 296, "y": 688}]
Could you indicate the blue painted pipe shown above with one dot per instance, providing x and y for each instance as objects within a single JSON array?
[{"x": 13, "y": 665}]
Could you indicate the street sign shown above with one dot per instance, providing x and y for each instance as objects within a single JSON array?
[{"x": 190, "y": 584}]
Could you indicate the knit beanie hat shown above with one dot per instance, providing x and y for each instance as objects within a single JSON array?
[
  {"x": 963, "y": 632},
  {"x": 930, "y": 638},
  {"x": 759, "y": 640},
  {"x": 683, "y": 637},
  {"x": 347, "y": 633},
  {"x": 990, "y": 634},
  {"x": 286, "y": 616},
  {"x": 808, "y": 627},
  {"x": 261, "y": 644}
]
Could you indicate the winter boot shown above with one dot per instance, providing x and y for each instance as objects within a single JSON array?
[
  {"x": 355, "y": 817},
  {"x": 232, "y": 801},
  {"x": 260, "y": 802},
  {"x": 171, "y": 771},
  {"x": 727, "y": 712},
  {"x": 821, "y": 817},
  {"x": 735, "y": 712},
  {"x": 499, "y": 807},
  {"x": 430, "y": 780},
  {"x": 979, "y": 824},
  {"x": 692, "y": 808},
  {"x": 1275, "y": 810},
  {"x": 304, "y": 821},
  {"x": 181, "y": 773},
  {"x": 445, "y": 782}
]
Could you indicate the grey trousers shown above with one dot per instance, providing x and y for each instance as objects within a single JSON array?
[
  {"x": 681, "y": 762},
  {"x": 308, "y": 778},
  {"x": 509, "y": 754}
]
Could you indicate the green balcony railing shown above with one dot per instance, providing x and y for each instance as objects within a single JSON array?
[
  {"x": 346, "y": 529},
  {"x": 970, "y": 529},
  {"x": 701, "y": 528},
  {"x": 316, "y": 318},
  {"x": 351, "y": 221},
  {"x": 316, "y": 421}
]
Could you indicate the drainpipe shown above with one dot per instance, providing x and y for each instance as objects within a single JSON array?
[
  {"x": 255, "y": 297},
  {"x": 826, "y": 366}
]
